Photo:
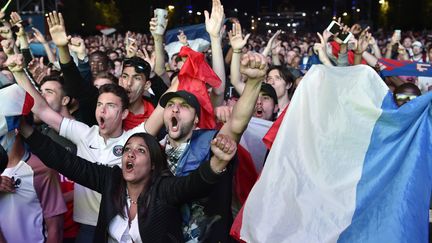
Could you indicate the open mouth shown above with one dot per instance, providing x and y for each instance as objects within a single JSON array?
[
  {"x": 174, "y": 123},
  {"x": 259, "y": 113},
  {"x": 102, "y": 122},
  {"x": 129, "y": 166}
]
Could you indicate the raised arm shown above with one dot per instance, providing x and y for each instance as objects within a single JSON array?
[
  {"x": 159, "y": 67},
  {"x": 237, "y": 43},
  {"x": 58, "y": 34},
  {"x": 320, "y": 48},
  {"x": 53, "y": 155},
  {"x": 214, "y": 26},
  {"x": 40, "y": 107},
  {"x": 254, "y": 66},
  {"x": 362, "y": 45},
  {"x": 267, "y": 50},
  {"x": 39, "y": 37},
  {"x": 15, "y": 20}
]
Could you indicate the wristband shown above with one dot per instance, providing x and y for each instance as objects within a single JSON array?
[{"x": 237, "y": 51}]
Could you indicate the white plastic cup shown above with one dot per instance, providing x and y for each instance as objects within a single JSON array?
[{"x": 161, "y": 15}]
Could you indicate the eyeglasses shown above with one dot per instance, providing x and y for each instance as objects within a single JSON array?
[
  {"x": 405, "y": 97},
  {"x": 140, "y": 66}
]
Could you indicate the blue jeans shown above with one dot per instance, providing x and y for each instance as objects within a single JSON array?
[{"x": 85, "y": 234}]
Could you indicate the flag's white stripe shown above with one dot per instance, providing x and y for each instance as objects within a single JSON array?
[
  {"x": 3, "y": 126},
  {"x": 300, "y": 197},
  {"x": 198, "y": 45},
  {"x": 12, "y": 100}
]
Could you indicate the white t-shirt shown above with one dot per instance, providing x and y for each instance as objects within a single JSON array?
[
  {"x": 37, "y": 195},
  {"x": 91, "y": 146}
]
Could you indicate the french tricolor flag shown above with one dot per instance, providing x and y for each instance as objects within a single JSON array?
[
  {"x": 347, "y": 165},
  {"x": 14, "y": 101}
]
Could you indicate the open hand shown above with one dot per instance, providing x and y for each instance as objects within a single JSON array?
[
  {"x": 39, "y": 36},
  {"x": 236, "y": 38},
  {"x": 57, "y": 29},
  {"x": 214, "y": 22}
]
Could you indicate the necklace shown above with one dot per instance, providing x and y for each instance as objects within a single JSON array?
[{"x": 132, "y": 201}]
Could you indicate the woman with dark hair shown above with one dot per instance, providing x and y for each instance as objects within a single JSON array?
[
  {"x": 140, "y": 201},
  {"x": 282, "y": 81}
]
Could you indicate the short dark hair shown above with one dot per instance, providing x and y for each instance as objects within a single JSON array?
[
  {"x": 107, "y": 75},
  {"x": 103, "y": 56},
  {"x": 140, "y": 65},
  {"x": 399, "y": 89},
  {"x": 54, "y": 78},
  {"x": 118, "y": 91}
]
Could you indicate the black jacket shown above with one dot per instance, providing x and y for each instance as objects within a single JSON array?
[{"x": 161, "y": 222}]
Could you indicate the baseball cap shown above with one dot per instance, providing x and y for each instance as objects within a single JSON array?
[
  {"x": 188, "y": 97},
  {"x": 417, "y": 43},
  {"x": 270, "y": 91},
  {"x": 295, "y": 72},
  {"x": 140, "y": 65}
]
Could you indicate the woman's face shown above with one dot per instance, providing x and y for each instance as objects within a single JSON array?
[{"x": 136, "y": 162}]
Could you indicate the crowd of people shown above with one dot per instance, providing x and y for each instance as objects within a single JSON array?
[{"x": 129, "y": 143}]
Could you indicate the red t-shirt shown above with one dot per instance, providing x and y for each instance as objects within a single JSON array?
[
  {"x": 133, "y": 120},
  {"x": 70, "y": 227}
]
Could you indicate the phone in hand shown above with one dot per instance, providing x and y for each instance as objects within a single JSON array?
[{"x": 335, "y": 28}]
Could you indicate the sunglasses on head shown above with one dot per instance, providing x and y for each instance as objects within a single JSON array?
[
  {"x": 405, "y": 97},
  {"x": 140, "y": 66}
]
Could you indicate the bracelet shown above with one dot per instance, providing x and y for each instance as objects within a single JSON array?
[
  {"x": 237, "y": 51},
  {"x": 358, "y": 53}
]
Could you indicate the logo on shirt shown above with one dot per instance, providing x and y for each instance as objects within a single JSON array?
[
  {"x": 117, "y": 150},
  {"x": 92, "y": 147}
]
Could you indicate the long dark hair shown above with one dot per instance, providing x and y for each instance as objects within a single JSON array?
[
  {"x": 159, "y": 168},
  {"x": 286, "y": 75}
]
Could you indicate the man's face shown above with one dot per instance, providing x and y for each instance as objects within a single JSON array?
[
  {"x": 53, "y": 94},
  {"x": 276, "y": 81},
  {"x": 134, "y": 83},
  {"x": 179, "y": 119},
  {"x": 109, "y": 114},
  {"x": 416, "y": 50},
  {"x": 98, "y": 64},
  {"x": 113, "y": 55},
  {"x": 265, "y": 107},
  {"x": 407, "y": 42}
]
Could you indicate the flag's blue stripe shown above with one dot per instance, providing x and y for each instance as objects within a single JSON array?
[
  {"x": 12, "y": 122},
  {"x": 394, "y": 190},
  {"x": 192, "y": 32}
]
